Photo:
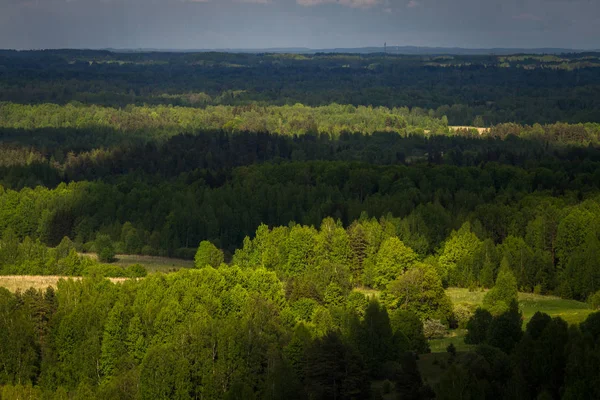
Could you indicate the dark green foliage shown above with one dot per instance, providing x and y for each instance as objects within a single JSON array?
[
  {"x": 506, "y": 329},
  {"x": 321, "y": 209},
  {"x": 105, "y": 248},
  {"x": 591, "y": 326},
  {"x": 537, "y": 324},
  {"x": 408, "y": 324},
  {"x": 335, "y": 370},
  {"x": 451, "y": 349},
  {"x": 19, "y": 345},
  {"x": 409, "y": 384},
  {"x": 374, "y": 338}
]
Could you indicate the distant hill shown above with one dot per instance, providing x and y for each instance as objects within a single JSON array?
[{"x": 407, "y": 50}]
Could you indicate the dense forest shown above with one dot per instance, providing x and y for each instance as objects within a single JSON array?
[
  {"x": 328, "y": 201},
  {"x": 522, "y": 89}
]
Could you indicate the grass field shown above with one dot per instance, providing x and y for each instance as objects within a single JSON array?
[
  {"x": 24, "y": 282},
  {"x": 152, "y": 264},
  {"x": 570, "y": 310}
]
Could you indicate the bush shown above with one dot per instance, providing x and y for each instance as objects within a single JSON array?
[
  {"x": 136, "y": 271},
  {"x": 105, "y": 248},
  {"x": 104, "y": 271},
  {"x": 463, "y": 312},
  {"x": 149, "y": 251},
  {"x": 434, "y": 329},
  {"x": 497, "y": 300},
  {"x": 208, "y": 254},
  {"x": 594, "y": 300}
]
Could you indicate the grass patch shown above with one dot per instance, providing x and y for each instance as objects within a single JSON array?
[
  {"x": 432, "y": 366},
  {"x": 368, "y": 292},
  {"x": 572, "y": 311},
  {"x": 455, "y": 337},
  {"x": 152, "y": 264}
]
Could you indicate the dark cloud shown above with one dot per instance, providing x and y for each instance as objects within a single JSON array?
[{"x": 311, "y": 23}]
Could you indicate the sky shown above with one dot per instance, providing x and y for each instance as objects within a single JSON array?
[{"x": 317, "y": 24}]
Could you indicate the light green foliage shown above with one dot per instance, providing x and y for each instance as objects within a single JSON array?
[
  {"x": 499, "y": 298},
  {"x": 301, "y": 246},
  {"x": 208, "y": 254},
  {"x": 165, "y": 374},
  {"x": 456, "y": 254},
  {"x": 420, "y": 290},
  {"x": 334, "y": 295},
  {"x": 304, "y": 309},
  {"x": 114, "y": 345},
  {"x": 462, "y": 313},
  {"x": 594, "y": 300},
  {"x": 357, "y": 303},
  {"x": 333, "y": 243},
  {"x": 322, "y": 320},
  {"x": 135, "y": 342},
  {"x": 392, "y": 260}
]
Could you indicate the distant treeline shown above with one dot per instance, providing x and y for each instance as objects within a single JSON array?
[{"x": 486, "y": 89}]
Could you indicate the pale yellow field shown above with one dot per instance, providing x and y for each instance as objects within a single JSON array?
[
  {"x": 24, "y": 282},
  {"x": 480, "y": 130}
]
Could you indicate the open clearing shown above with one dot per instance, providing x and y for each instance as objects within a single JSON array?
[
  {"x": 571, "y": 311},
  {"x": 24, "y": 282},
  {"x": 433, "y": 365},
  {"x": 151, "y": 263}
]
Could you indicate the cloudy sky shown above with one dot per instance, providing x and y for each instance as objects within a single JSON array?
[{"x": 202, "y": 24}]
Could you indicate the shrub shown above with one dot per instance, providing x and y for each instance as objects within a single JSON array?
[
  {"x": 136, "y": 271},
  {"x": 463, "y": 312},
  {"x": 503, "y": 293},
  {"x": 434, "y": 329},
  {"x": 594, "y": 300},
  {"x": 208, "y": 254},
  {"x": 104, "y": 270},
  {"x": 105, "y": 248}
]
